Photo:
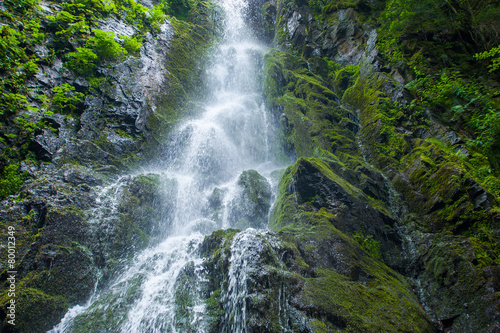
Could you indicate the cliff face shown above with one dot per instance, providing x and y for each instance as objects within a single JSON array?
[
  {"x": 414, "y": 180},
  {"x": 387, "y": 220},
  {"x": 107, "y": 83},
  {"x": 389, "y": 178}
]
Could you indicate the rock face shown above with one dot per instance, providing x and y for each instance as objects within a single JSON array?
[
  {"x": 78, "y": 217},
  {"x": 306, "y": 278},
  {"x": 376, "y": 191},
  {"x": 393, "y": 183},
  {"x": 250, "y": 209}
]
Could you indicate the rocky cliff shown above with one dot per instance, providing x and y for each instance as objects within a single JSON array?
[
  {"x": 393, "y": 196},
  {"x": 107, "y": 81}
]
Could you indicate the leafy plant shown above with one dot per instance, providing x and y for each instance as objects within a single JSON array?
[
  {"x": 157, "y": 17},
  {"x": 105, "y": 46},
  {"x": 493, "y": 53},
  {"x": 371, "y": 246},
  {"x": 131, "y": 44},
  {"x": 82, "y": 61},
  {"x": 66, "y": 98}
]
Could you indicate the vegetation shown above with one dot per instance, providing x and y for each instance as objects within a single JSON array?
[
  {"x": 442, "y": 42},
  {"x": 67, "y": 33},
  {"x": 10, "y": 180},
  {"x": 367, "y": 242},
  {"x": 426, "y": 117}
]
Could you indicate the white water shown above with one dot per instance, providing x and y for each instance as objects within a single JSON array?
[{"x": 230, "y": 134}]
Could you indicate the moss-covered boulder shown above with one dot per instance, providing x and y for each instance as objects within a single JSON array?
[
  {"x": 312, "y": 187},
  {"x": 250, "y": 208},
  {"x": 307, "y": 277}
]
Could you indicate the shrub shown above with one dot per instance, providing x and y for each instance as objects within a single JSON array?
[
  {"x": 66, "y": 98},
  {"x": 493, "y": 53},
  {"x": 132, "y": 45},
  {"x": 105, "y": 46}
]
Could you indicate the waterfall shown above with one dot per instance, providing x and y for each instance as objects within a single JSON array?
[{"x": 162, "y": 288}]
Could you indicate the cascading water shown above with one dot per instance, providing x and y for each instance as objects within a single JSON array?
[{"x": 161, "y": 291}]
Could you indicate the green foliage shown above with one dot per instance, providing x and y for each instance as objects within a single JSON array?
[
  {"x": 82, "y": 61},
  {"x": 10, "y": 180},
  {"x": 316, "y": 4},
  {"x": 477, "y": 21},
  {"x": 95, "y": 82},
  {"x": 11, "y": 102},
  {"x": 105, "y": 46},
  {"x": 24, "y": 125},
  {"x": 71, "y": 28},
  {"x": 371, "y": 246},
  {"x": 74, "y": 31},
  {"x": 11, "y": 53},
  {"x": 66, "y": 98},
  {"x": 178, "y": 8},
  {"x": 131, "y": 44},
  {"x": 485, "y": 244},
  {"x": 465, "y": 103},
  {"x": 323, "y": 7},
  {"x": 493, "y": 53},
  {"x": 156, "y": 18},
  {"x": 20, "y": 6}
]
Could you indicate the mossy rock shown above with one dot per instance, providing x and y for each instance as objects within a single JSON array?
[
  {"x": 59, "y": 277},
  {"x": 185, "y": 63},
  {"x": 312, "y": 117},
  {"x": 341, "y": 283},
  {"x": 35, "y": 311},
  {"x": 215, "y": 248},
  {"x": 311, "y": 188},
  {"x": 308, "y": 277},
  {"x": 251, "y": 208},
  {"x": 110, "y": 310},
  {"x": 148, "y": 202},
  {"x": 456, "y": 279}
]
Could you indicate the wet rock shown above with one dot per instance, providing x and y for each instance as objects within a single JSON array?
[
  {"x": 284, "y": 287},
  {"x": 311, "y": 186},
  {"x": 77, "y": 175},
  {"x": 215, "y": 207},
  {"x": 453, "y": 138},
  {"x": 250, "y": 209},
  {"x": 66, "y": 228}
]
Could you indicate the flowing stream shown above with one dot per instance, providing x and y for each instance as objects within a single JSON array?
[{"x": 161, "y": 290}]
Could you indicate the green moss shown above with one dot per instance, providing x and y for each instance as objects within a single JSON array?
[
  {"x": 354, "y": 307},
  {"x": 184, "y": 297},
  {"x": 185, "y": 64},
  {"x": 367, "y": 242},
  {"x": 110, "y": 310},
  {"x": 62, "y": 277},
  {"x": 216, "y": 249},
  {"x": 10, "y": 180},
  {"x": 35, "y": 310},
  {"x": 315, "y": 119},
  {"x": 290, "y": 203}
]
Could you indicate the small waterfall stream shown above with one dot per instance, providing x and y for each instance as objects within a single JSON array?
[{"x": 161, "y": 290}]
